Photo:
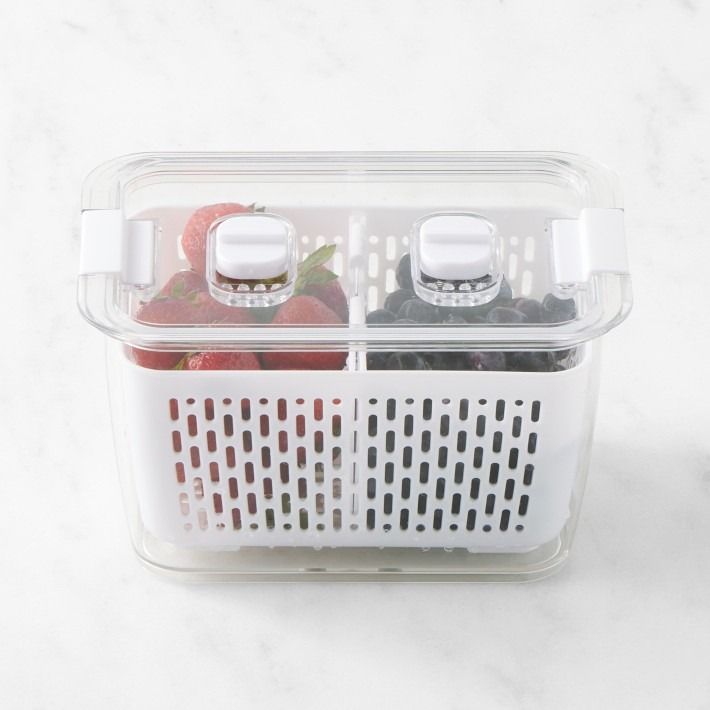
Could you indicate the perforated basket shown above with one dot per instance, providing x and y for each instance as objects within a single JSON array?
[
  {"x": 333, "y": 472},
  {"x": 357, "y": 459}
]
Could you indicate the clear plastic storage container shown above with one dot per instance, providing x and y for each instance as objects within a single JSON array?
[{"x": 351, "y": 365}]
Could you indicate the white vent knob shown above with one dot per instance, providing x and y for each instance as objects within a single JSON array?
[
  {"x": 455, "y": 259},
  {"x": 252, "y": 246},
  {"x": 456, "y": 247},
  {"x": 251, "y": 259}
]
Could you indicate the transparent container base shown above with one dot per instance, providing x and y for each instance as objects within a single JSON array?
[{"x": 351, "y": 564}]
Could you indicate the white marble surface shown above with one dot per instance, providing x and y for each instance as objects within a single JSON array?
[{"x": 627, "y": 623}]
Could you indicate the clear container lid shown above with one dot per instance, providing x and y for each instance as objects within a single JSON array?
[{"x": 369, "y": 251}]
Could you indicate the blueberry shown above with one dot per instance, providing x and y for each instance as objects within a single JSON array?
[
  {"x": 565, "y": 358},
  {"x": 477, "y": 314},
  {"x": 502, "y": 314},
  {"x": 394, "y": 300},
  {"x": 486, "y": 360},
  {"x": 377, "y": 361},
  {"x": 495, "y": 303},
  {"x": 446, "y": 360},
  {"x": 446, "y": 311},
  {"x": 419, "y": 311},
  {"x": 558, "y": 310},
  {"x": 469, "y": 313},
  {"x": 530, "y": 361},
  {"x": 451, "y": 319},
  {"x": 503, "y": 299},
  {"x": 530, "y": 308},
  {"x": 404, "y": 272},
  {"x": 407, "y": 361},
  {"x": 505, "y": 292},
  {"x": 559, "y": 355},
  {"x": 381, "y": 315}
]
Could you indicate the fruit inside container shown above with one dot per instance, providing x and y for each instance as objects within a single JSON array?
[{"x": 323, "y": 286}]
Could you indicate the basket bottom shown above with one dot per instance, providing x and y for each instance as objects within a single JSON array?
[{"x": 351, "y": 564}]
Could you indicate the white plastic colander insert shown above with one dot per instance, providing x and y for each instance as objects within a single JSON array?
[{"x": 400, "y": 383}]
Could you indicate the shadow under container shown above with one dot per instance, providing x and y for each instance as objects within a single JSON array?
[{"x": 415, "y": 458}]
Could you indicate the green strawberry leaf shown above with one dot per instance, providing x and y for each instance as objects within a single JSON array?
[
  {"x": 193, "y": 297},
  {"x": 178, "y": 289},
  {"x": 315, "y": 278},
  {"x": 311, "y": 271},
  {"x": 317, "y": 258}
]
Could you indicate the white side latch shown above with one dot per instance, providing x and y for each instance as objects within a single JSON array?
[
  {"x": 593, "y": 243},
  {"x": 111, "y": 244}
]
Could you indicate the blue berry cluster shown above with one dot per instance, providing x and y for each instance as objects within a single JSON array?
[{"x": 403, "y": 307}]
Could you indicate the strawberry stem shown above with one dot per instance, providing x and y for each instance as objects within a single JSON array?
[
  {"x": 311, "y": 270},
  {"x": 180, "y": 364}
]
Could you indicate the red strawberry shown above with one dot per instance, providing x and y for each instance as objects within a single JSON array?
[
  {"x": 183, "y": 300},
  {"x": 217, "y": 313},
  {"x": 218, "y": 360},
  {"x": 194, "y": 236},
  {"x": 314, "y": 279},
  {"x": 328, "y": 290},
  {"x": 304, "y": 310},
  {"x": 180, "y": 301},
  {"x": 182, "y": 284},
  {"x": 155, "y": 359}
]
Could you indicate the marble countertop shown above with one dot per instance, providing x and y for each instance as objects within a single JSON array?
[{"x": 627, "y": 623}]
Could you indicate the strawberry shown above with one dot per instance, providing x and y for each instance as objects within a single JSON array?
[
  {"x": 184, "y": 300},
  {"x": 216, "y": 313},
  {"x": 179, "y": 301},
  {"x": 155, "y": 359},
  {"x": 329, "y": 291},
  {"x": 194, "y": 236},
  {"x": 304, "y": 310},
  {"x": 218, "y": 360},
  {"x": 314, "y": 279}
]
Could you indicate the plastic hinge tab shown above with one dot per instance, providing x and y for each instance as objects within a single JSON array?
[
  {"x": 593, "y": 243},
  {"x": 111, "y": 244}
]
